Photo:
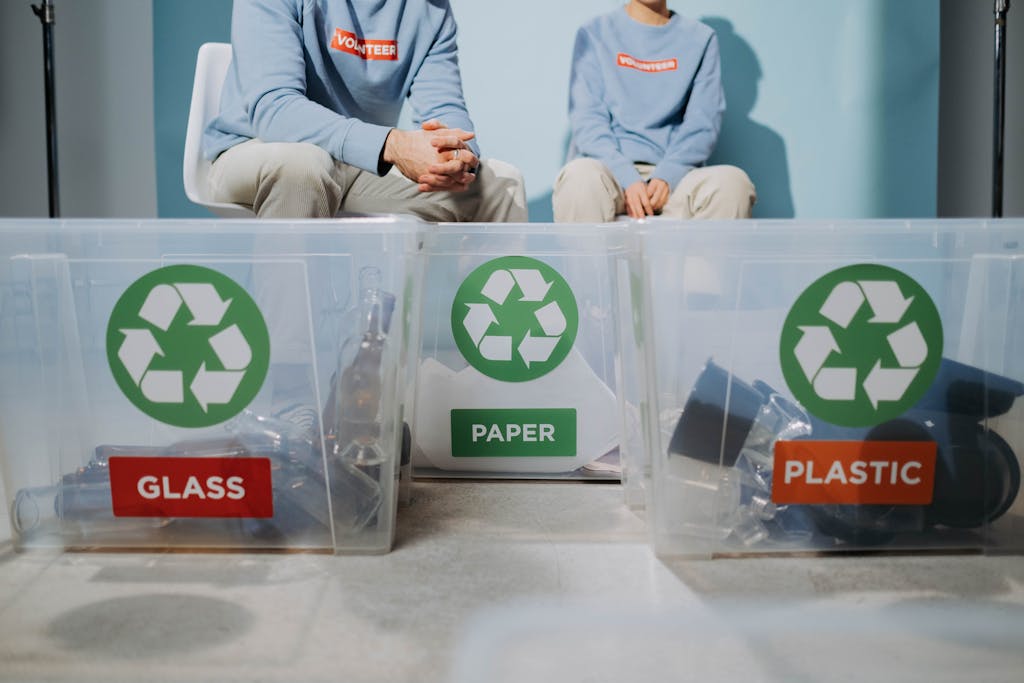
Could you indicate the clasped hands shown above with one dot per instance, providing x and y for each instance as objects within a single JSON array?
[
  {"x": 435, "y": 157},
  {"x": 647, "y": 198}
]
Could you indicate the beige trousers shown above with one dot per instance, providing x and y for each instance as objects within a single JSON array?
[
  {"x": 300, "y": 180},
  {"x": 587, "y": 192}
]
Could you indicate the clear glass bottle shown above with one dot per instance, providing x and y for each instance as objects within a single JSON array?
[
  {"x": 301, "y": 488},
  {"x": 352, "y": 414}
]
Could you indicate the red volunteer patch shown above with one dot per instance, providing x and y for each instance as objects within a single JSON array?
[
  {"x": 657, "y": 66},
  {"x": 382, "y": 50}
]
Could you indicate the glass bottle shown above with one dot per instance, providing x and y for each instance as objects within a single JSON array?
[{"x": 352, "y": 413}]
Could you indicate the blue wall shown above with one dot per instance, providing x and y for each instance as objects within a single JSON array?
[{"x": 833, "y": 105}]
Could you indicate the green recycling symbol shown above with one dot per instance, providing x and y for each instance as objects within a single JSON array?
[
  {"x": 188, "y": 346},
  {"x": 861, "y": 345},
  {"x": 515, "y": 318}
]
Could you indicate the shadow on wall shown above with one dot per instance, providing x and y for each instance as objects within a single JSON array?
[{"x": 752, "y": 146}]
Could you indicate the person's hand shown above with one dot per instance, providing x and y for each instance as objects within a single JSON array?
[
  {"x": 415, "y": 152},
  {"x": 638, "y": 204},
  {"x": 457, "y": 160},
  {"x": 658, "y": 193}
]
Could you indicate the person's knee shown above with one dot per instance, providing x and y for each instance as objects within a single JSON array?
[
  {"x": 584, "y": 192},
  {"x": 717, "y": 192},
  {"x": 506, "y": 175},
  {"x": 502, "y": 193},
  {"x": 298, "y": 164},
  {"x": 734, "y": 184},
  {"x": 581, "y": 174},
  {"x": 296, "y": 180},
  {"x": 504, "y": 170}
]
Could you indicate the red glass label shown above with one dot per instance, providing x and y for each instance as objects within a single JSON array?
[{"x": 191, "y": 487}]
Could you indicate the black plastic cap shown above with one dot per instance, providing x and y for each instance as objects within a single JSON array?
[{"x": 705, "y": 421}]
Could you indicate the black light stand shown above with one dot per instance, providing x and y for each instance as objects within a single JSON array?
[
  {"x": 999, "y": 121},
  {"x": 46, "y": 15}
]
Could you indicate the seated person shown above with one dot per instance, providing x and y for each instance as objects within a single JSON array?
[
  {"x": 645, "y": 107},
  {"x": 309, "y": 107}
]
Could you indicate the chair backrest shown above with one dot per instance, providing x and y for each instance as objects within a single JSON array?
[{"x": 212, "y": 65}]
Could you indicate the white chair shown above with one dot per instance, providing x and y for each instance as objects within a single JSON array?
[
  {"x": 211, "y": 67},
  {"x": 212, "y": 64}
]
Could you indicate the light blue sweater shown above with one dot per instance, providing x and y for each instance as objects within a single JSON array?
[
  {"x": 336, "y": 72},
  {"x": 645, "y": 93}
]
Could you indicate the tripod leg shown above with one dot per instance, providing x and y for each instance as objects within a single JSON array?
[
  {"x": 45, "y": 12},
  {"x": 1002, "y": 7}
]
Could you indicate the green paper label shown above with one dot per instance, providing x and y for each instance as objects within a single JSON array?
[{"x": 514, "y": 433}]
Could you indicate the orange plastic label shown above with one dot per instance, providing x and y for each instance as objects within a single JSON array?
[
  {"x": 630, "y": 62},
  {"x": 385, "y": 50},
  {"x": 854, "y": 472}
]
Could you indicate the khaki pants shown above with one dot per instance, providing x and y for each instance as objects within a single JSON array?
[
  {"x": 587, "y": 192},
  {"x": 300, "y": 180}
]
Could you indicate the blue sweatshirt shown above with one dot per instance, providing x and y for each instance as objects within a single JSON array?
[
  {"x": 645, "y": 93},
  {"x": 336, "y": 72}
]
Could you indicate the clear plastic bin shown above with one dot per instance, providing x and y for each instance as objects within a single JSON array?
[
  {"x": 831, "y": 387},
  {"x": 206, "y": 384},
  {"x": 517, "y": 374}
]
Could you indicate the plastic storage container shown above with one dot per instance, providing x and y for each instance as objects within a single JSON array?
[
  {"x": 205, "y": 384},
  {"x": 517, "y": 369},
  {"x": 832, "y": 387}
]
